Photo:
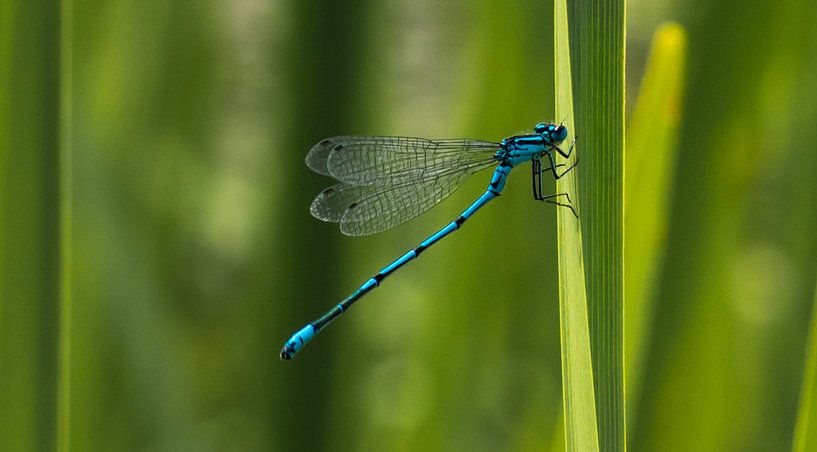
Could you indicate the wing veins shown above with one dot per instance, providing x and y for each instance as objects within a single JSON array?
[{"x": 393, "y": 160}]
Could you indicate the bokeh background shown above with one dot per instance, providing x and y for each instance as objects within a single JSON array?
[{"x": 194, "y": 255}]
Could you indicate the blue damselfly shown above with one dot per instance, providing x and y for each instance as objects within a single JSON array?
[{"x": 386, "y": 181}]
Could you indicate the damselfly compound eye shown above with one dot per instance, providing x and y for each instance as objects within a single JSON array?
[{"x": 559, "y": 134}]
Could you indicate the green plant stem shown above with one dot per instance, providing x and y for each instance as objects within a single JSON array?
[
  {"x": 597, "y": 37},
  {"x": 577, "y": 369},
  {"x": 805, "y": 434},
  {"x": 652, "y": 139},
  {"x": 29, "y": 232},
  {"x": 65, "y": 233}
]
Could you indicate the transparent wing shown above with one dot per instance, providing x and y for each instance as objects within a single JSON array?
[
  {"x": 331, "y": 204},
  {"x": 319, "y": 154},
  {"x": 368, "y": 209},
  {"x": 395, "y": 160},
  {"x": 394, "y": 205}
]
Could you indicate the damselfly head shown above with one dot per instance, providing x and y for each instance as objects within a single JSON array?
[
  {"x": 558, "y": 134},
  {"x": 554, "y": 133}
]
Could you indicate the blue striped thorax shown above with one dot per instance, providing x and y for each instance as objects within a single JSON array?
[{"x": 522, "y": 148}]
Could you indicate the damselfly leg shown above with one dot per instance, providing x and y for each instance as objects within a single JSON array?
[
  {"x": 536, "y": 175},
  {"x": 564, "y": 154}
]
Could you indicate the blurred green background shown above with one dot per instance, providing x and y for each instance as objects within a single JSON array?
[{"x": 193, "y": 256}]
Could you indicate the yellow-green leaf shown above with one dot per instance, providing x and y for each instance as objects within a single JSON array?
[
  {"x": 805, "y": 435},
  {"x": 577, "y": 368},
  {"x": 597, "y": 74},
  {"x": 651, "y": 154}
]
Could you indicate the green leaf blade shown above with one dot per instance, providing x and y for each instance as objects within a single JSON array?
[
  {"x": 577, "y": 368},
  {"x": 597, "y": 53},
  {"x": 652, "y": 139},
  {"x": 66, "y": 203},
  {"x": 29, "y": 218},
  {"x": 805, "y": 434}
]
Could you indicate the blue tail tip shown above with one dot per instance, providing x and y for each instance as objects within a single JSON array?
[
  {"x": 297, "y": 341},
  {"x": 287, "y": 352}
]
